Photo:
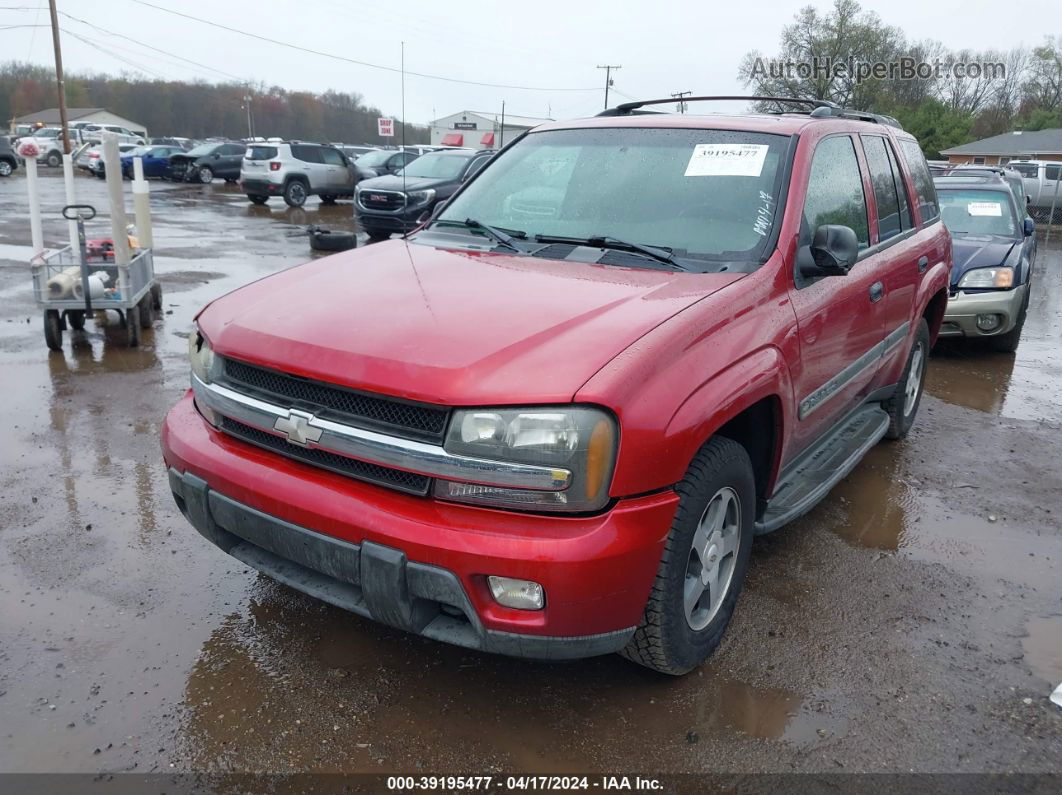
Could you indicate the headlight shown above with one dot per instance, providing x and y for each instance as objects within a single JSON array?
[
  {"x": 201, "y": 356},
  {"x": 580, "y": 439},
  {"x": 417, "y": 197},
  {"x": 988, "y": 278}
]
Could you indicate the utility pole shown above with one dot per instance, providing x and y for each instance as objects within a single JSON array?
[
  {"x": 501, "y": 134},
  {"x": 59, "y": 76},
  {"x": 608, "y": 79},
  {"x": 679, "y": 95},
  {"x": 250, "y": 119}
]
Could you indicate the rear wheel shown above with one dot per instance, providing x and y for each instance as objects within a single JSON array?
[
  {"x": 132, "y": 326},
  {"x": 903, "y": 405},
  {"x": 703, "y": 566},
  {"x": 5, "y": 168},
  {"x": 256, "y": 199},
  {"x": 156, "y": 296},
  {"x": 54, "y": 160},
  {"x": 53, "y": 330},
  {"x": 147, "y": 311},
  {"x": 295, "y": 194}
]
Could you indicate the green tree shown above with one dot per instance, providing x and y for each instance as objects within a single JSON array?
[{"x": 936, "y": 126}]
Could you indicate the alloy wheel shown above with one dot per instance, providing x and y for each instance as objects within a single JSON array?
[
  {"x": 712, "y": 559},
  {"x": 913, "y": 386}
]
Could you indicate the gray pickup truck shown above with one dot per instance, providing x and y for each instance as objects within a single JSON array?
[{"x": 1041, "y": 178}]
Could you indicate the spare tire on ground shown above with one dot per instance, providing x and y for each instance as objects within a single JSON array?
[{"x": 323, "y": 239}]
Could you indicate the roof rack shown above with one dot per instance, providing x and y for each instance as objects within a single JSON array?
[
  {"x": 632, "y": 107},
  {"x": 822, "y": 108}
]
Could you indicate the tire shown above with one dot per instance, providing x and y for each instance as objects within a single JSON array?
[
  {"x": 256, "y": 199},
  {"x": 1008, "y": 343},
  {"x": 54, "y": 160},
  {"x": 127, "y": 174},
  {"x": 132, "y": 326},
  {"x": 295, "y": 193},
  {"x": 156, "y": 296},
  {"x": 672, "y": 638},
  {"x": 376, "y": 235},
  {"x": 328, "y": 201},
  {"x": 230, "y": 180},
  {"x": 75, "y": 318},
  {"x": 53, "y": 330},
  {"x": 147, "y": 311},
  {"x": 902, "y": 407},
  {"x": 6, "y": 168},
  {"x": 205, "y": 175}
]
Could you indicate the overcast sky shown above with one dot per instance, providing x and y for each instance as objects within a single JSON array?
[{"x": 663, "y": 46}]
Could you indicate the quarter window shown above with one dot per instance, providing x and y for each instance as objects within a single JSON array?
[
  {"x": 923, "y": 183},
  {"x": 835, "y": 191},
  {"x": 307, "y": 154}
]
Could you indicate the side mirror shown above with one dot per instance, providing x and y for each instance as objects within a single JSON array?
[
  {"x": 217, "y": 156},
  {"x": 1030, "y": 227},
  {"x": 834, "y": 250}
]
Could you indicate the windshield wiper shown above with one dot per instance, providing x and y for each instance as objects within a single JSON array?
[
  {"x": 658, "y": 253},
  {"x": 499, "y": 236}
]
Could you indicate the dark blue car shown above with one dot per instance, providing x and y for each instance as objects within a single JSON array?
[
  {"x": 994, "y": 248},
  {"x": 156, "y": 160}
]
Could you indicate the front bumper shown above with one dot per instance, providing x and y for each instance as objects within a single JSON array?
[
  {"x": 960, "y": 317},
  {"x": 414, "y": 562},
  {"x": 405, "y": 219}
]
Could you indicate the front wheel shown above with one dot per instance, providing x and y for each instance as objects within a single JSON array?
[
  {"x": 328, "y": 201},
  {"x": 256, "y": 199},
  {"x": 205, "y": 175},
  {"x": 703, "y": 566},
  {"x": 5, "y": 168},
  {"x": 54, "y": 160},
  {"x": 376, "y": 235},
  {"x": 53, "y": 330},
  {"x": 903, "y": 405}
]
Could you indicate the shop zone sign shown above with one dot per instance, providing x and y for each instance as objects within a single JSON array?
[{"x": 386, "y": 127}]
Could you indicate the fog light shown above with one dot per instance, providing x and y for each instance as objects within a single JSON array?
[
  {"x": 988, "y": 322},
  {"x": 521, "y": 594}
]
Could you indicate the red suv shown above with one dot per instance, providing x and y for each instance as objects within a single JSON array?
[{"x": 549, "y": 422}]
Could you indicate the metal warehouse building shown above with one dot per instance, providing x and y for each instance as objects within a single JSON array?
[
  {"x": 480, "y": 130},
  {"x": 50, "y": 118}
]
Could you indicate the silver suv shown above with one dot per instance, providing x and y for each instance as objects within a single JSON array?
[{"x": 296, "y": 170}]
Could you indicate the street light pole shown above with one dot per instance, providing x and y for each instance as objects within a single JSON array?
[{"x": 59, "y": 76}]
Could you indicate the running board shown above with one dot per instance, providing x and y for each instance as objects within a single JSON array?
[{"x": 810, "y": 478}]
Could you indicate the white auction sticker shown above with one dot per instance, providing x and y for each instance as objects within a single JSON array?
[
  {"x": 985, "y": 208},
  {"x": 726, "y": 160}
]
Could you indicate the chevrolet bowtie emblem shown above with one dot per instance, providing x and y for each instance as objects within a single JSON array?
[{"x": 296, "y": 426}]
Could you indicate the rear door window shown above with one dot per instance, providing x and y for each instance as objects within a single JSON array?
[
  {"x": 307, "y": 154},
  {"x": 923, "y": 183},
  {"x": 835, "y": 191},
  {"x": 884, "y": 182}
]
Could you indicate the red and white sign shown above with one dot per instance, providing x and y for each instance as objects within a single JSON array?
[{"x": 386, "y": 127}]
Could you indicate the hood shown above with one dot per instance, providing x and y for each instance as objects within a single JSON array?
[
  {"x": 977, "y": 251},
  {"x": 449, "y": 326},
  {"x": 394, "y": 182}
]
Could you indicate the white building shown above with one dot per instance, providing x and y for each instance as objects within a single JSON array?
[
  {"x": 50, "y": 118},
  {"x": 480, "y": 130}
]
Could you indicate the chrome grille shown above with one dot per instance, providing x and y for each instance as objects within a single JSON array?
[
  {"x": 381, "y": 199},
  {"x": 384, "y": 476},
  {"x": 401, "y": 418}
]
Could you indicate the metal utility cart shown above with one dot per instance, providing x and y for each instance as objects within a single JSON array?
[{"x": 66, "y": 297}]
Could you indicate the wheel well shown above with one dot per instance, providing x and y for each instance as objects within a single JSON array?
[
  {"x": 758, "y": 430},
  {"x": 934, "y": 313}
]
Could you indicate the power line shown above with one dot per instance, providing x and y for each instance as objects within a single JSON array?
[
  {"x": 150, "y": 47},
  {"x": 349, "y": 60}
]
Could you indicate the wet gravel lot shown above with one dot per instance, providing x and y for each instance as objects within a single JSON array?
[{"x": 912, "y": 621}]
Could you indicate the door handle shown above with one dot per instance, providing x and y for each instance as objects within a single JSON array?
[
  {"x": 877, "y": 290},
  {"x": 923, "y": 263}
]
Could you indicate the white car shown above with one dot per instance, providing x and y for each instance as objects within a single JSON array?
[{"x": 94, "y": 133}]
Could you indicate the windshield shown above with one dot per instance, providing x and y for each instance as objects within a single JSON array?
[
  {"x": 377, "y": 158},
  {"x": 435, "y": 166},
  {"x": 202, "y": 149},
  {"x": 139, "y": 151},
  {"x": 709, "y": 194},
  {"x": 977, "y": 212}
]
